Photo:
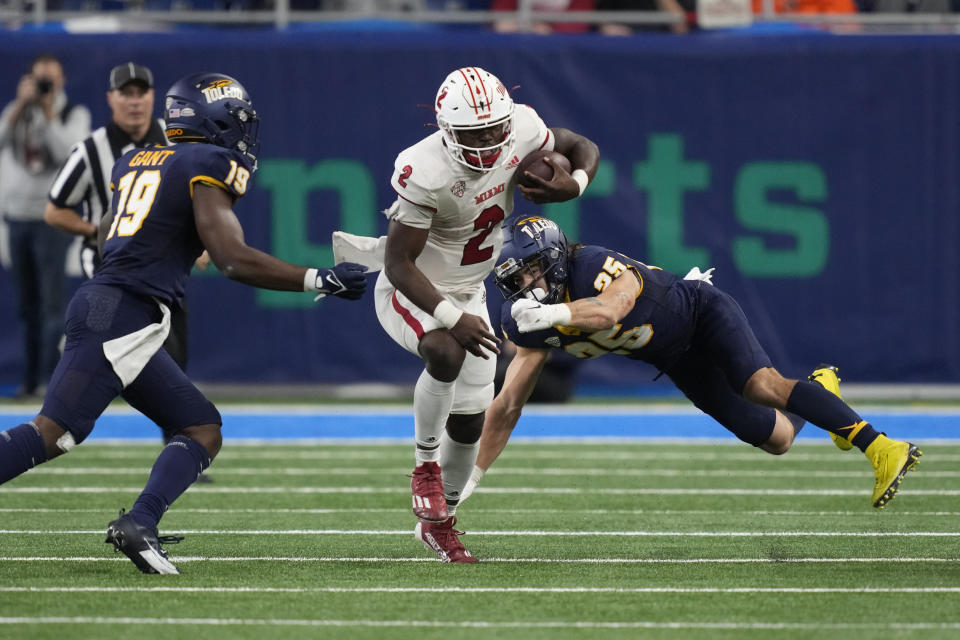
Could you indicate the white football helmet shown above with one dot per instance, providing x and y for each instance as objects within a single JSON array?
[{"x": 475, "y": 114}]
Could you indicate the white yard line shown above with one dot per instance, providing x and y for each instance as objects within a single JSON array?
[
  {"x": 614, "y": 590},
  {"x": 644, "y": 409},
  {"x": 447, "y": 624},
  {"x": 518, "y": 452},
  {"x": 368, "y": 559},
  {"x": 197, "y": 489},
  {"x": 522, "y": 533},
  {"x": 533, "y": 511},
  {"x": 572, "y": 472}
]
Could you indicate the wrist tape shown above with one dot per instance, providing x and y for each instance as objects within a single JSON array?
[{"x": 447, "y": 314}]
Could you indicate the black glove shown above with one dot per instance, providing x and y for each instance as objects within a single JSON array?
[{"x": 346, "y": 280}]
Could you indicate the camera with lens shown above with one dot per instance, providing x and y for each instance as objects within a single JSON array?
[{"x": 44, "y": 86}]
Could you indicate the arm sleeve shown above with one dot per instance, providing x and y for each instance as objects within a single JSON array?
[
  {"x": 5, "y": 124},
  {"x": 72, "y": 180}
]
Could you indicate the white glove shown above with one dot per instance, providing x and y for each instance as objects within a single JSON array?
[
  {"x": 534, "y": 316},
  {"x": 472, "y": 483},
  {"x": 696, "y": 274}
]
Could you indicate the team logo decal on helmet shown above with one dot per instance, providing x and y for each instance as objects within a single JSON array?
[
  {"x": 222, "y": 89},
  {"x": 533, "y": 246},
  {"x": 214, "y": 108},
  {"x": 475, "y": 114}
]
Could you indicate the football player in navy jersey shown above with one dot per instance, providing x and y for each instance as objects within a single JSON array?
[
  {"x": 590, "y": 301},
  {"x": 170, "y": 204}
]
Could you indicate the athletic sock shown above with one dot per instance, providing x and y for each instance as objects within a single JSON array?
[
  {"x": 21, "y": 449},
  {"x": 176, "y": 468},
  {"x": 456, "y": 461},
  {"x": 861, "y": 435},
  {"x": 820, "y": 407},
  {"x": 432, "y": 401}
]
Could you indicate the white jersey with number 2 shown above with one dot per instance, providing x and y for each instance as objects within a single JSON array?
[{"x": 462, "y": 208}]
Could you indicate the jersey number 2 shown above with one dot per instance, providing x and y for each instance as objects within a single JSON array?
[{"x": 487, "y": 222}]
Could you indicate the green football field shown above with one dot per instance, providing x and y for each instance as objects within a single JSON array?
[{"x": 576, "y": 540}]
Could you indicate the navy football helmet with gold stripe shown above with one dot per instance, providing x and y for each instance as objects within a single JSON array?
[
  {"x": 214, "y": 108},
  {"x": 533, "y": 245}
]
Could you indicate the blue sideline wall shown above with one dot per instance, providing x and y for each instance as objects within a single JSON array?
[{"x": 818, "y": 175}]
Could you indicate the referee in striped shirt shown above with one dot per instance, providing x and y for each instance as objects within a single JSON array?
[{"x": 83, "y": 183}]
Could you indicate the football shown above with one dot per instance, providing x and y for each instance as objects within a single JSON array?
[{"x": 534, "y": 163}]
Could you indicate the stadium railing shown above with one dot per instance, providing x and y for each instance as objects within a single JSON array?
[{"x": 129, "y": 15}]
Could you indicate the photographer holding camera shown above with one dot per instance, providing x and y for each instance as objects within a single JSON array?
[{"x": 37, "y": 130}]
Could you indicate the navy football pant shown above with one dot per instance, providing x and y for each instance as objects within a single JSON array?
[
  {"x": 723, "y": 355},
  {"x": 84, "y": 383}
]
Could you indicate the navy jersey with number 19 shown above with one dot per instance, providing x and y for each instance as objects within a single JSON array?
[{"x": 153, "y": 242}]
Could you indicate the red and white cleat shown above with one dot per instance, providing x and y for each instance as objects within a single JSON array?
[
  {"x": 427, "y": 488},
  {"x": 441, "y": 538}
]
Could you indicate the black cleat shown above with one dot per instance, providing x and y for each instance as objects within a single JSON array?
[{"x": 141, "y": 545}]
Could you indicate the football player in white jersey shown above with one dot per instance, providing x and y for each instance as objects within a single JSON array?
[{"x": 454, "y": 188}]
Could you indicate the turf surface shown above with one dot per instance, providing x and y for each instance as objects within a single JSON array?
[{"x": 605, "y": 540}]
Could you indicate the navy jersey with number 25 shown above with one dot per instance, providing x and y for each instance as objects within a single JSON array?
[
  {"x": 692, "y": 331},
  {"x": 657, "y": 329},
  {"x": 153, "y": 242}
]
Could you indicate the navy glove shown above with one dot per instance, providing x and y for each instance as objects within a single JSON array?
[{"x": 346, "y": 280}]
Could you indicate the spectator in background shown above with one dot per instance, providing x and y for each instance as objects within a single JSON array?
[
  {"x": 808, "y": 6},
  {"x": 907, "y": 6},
  {"x": 543, "y": 28},
  {"x": 669, "y": 6},
  {"x": 37, "y": 130},
  {"x": 80, "y": 195}
]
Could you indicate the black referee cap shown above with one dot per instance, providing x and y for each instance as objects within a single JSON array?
[{"x": 130, "y": 72}]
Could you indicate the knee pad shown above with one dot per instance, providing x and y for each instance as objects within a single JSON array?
[
  {"x": 465, "y": 429},
  {"x": 474, "y": 386}
]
